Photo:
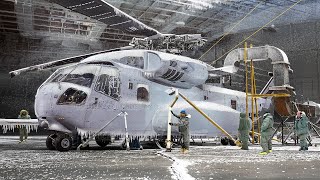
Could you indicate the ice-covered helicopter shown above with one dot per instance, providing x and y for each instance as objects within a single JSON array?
[{"x": 89, "y": 90}]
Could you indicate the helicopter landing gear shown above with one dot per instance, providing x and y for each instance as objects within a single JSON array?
[
  {"x": 50, "y": 141},
  {"x": 224, "y": 141},
  {"x": 63, "y": 142},
  {"x": 103, "y": 140}
]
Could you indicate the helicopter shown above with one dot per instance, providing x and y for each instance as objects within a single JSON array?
[{"x": 89, "y": 90}]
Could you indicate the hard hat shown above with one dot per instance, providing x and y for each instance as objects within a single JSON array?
[{"x": 183, "y": 111}]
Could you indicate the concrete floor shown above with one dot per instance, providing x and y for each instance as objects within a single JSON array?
[{"x": 31, "y": 160}]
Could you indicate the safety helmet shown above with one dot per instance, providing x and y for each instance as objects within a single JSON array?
[
  {"x": 265, "y": 115},
  {"x": 183, "y": 111}
]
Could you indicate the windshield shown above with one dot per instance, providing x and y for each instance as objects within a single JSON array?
[{"x": 82, "y": 75}]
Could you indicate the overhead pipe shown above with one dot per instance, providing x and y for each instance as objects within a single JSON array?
[{"x": 280, "y": 62}]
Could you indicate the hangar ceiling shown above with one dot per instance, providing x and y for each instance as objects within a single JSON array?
[{"x": 211, "y": 18}]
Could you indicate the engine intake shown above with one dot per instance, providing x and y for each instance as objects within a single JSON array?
[{"x": 174, "y": 70}]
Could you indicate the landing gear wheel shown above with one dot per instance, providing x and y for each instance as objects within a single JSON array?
[
  {"x": 224, "y": 141},
  {"x": 50, "y": 141},
  {"x": 232, "y": 143},
  {"x": 102, "y": 141},
  {"x": 63, "y": 142}
]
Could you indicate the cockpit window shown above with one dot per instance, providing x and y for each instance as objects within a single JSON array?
[
  {"x": 60, "y": 74},
  {"x": 82, "y": 75},
  {"x": 108, "y": 82},
  {"x": 72, "y": 96}
]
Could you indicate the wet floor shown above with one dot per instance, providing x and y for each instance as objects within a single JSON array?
[{"x": 31, "y": 160}]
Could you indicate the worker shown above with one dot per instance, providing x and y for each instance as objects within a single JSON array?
[
  {"x": 23, "y": 130},
  {"x": 302, "y": 130},
  {"x": 183, "y": 129},
  {"x": 244, "y": 128},
  {"x": 266, "y": 133}
]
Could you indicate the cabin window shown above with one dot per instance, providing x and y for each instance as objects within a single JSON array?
[
  {"x": 143, "y": 93},
  {"x": 108, "y": 82},
  {"x": 133, "y": 61},
  {"x": 234, "y": 104}
]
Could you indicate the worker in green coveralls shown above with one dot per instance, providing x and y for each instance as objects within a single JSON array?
[
  {"x": 244, "y": 128},
  {"x": 302, "y": 130},
  {"x": 266, "y": 133},
  {"x": 23, "y": 130}
]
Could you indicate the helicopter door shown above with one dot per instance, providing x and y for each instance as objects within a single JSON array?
[{"x": 104, "y": 98}]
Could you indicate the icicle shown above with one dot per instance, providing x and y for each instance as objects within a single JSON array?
[{"x": 11, "y": 124}]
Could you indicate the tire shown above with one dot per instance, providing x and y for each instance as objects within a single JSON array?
[
  {"x": 224, "y": 141},
  {"x": 63, "y": 142},
  {"x": 50, "y": 141},
  {"x": 232, "y": 143},
  {"x": 103, "y": 141}
]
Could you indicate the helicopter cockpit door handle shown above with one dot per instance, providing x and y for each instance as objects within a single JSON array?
[{"x": 95, "y": 101}]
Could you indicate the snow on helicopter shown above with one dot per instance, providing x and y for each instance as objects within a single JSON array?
[{"x": 89, "y": 90}]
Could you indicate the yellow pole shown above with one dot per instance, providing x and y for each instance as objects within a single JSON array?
[
  {"x": 252, "y": 98},
  {"x": 252, "y": 107},
  {"x": 256, "y": 105},
  {"x": 209, "y": 119},
  {"x": 174, "y": 101},
  {"x": 246, "y": 70}
]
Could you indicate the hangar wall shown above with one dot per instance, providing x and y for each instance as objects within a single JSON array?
[
  {"x": 17, "y": 52},
  {"x": 301, "y": 43}
]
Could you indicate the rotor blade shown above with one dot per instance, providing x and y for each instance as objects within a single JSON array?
[
  {"x": 108, "y": 14},
  {"x": 61, "y": 62}
]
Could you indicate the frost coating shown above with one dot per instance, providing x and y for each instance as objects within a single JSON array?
[
  {"x": 11, "y": 124},
  {"x": 179, "y": 167}
]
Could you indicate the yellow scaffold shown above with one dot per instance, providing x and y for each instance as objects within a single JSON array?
[{"x": 254, "y": 95}]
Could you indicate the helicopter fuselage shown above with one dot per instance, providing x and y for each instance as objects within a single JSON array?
[{"x": 85, "y": 96}]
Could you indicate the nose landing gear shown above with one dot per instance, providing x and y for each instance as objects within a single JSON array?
[{"x": 59, "y": 141}]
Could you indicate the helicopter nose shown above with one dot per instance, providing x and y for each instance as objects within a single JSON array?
[{"x": 43, "y": 101}]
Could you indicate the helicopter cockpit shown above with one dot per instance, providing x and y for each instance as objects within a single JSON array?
[
  {"x": 105, "y": 79},
  {"x": 82, "y": 74}
]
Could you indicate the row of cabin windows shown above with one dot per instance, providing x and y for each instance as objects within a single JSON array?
[{"x": 110, "y": 85}]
